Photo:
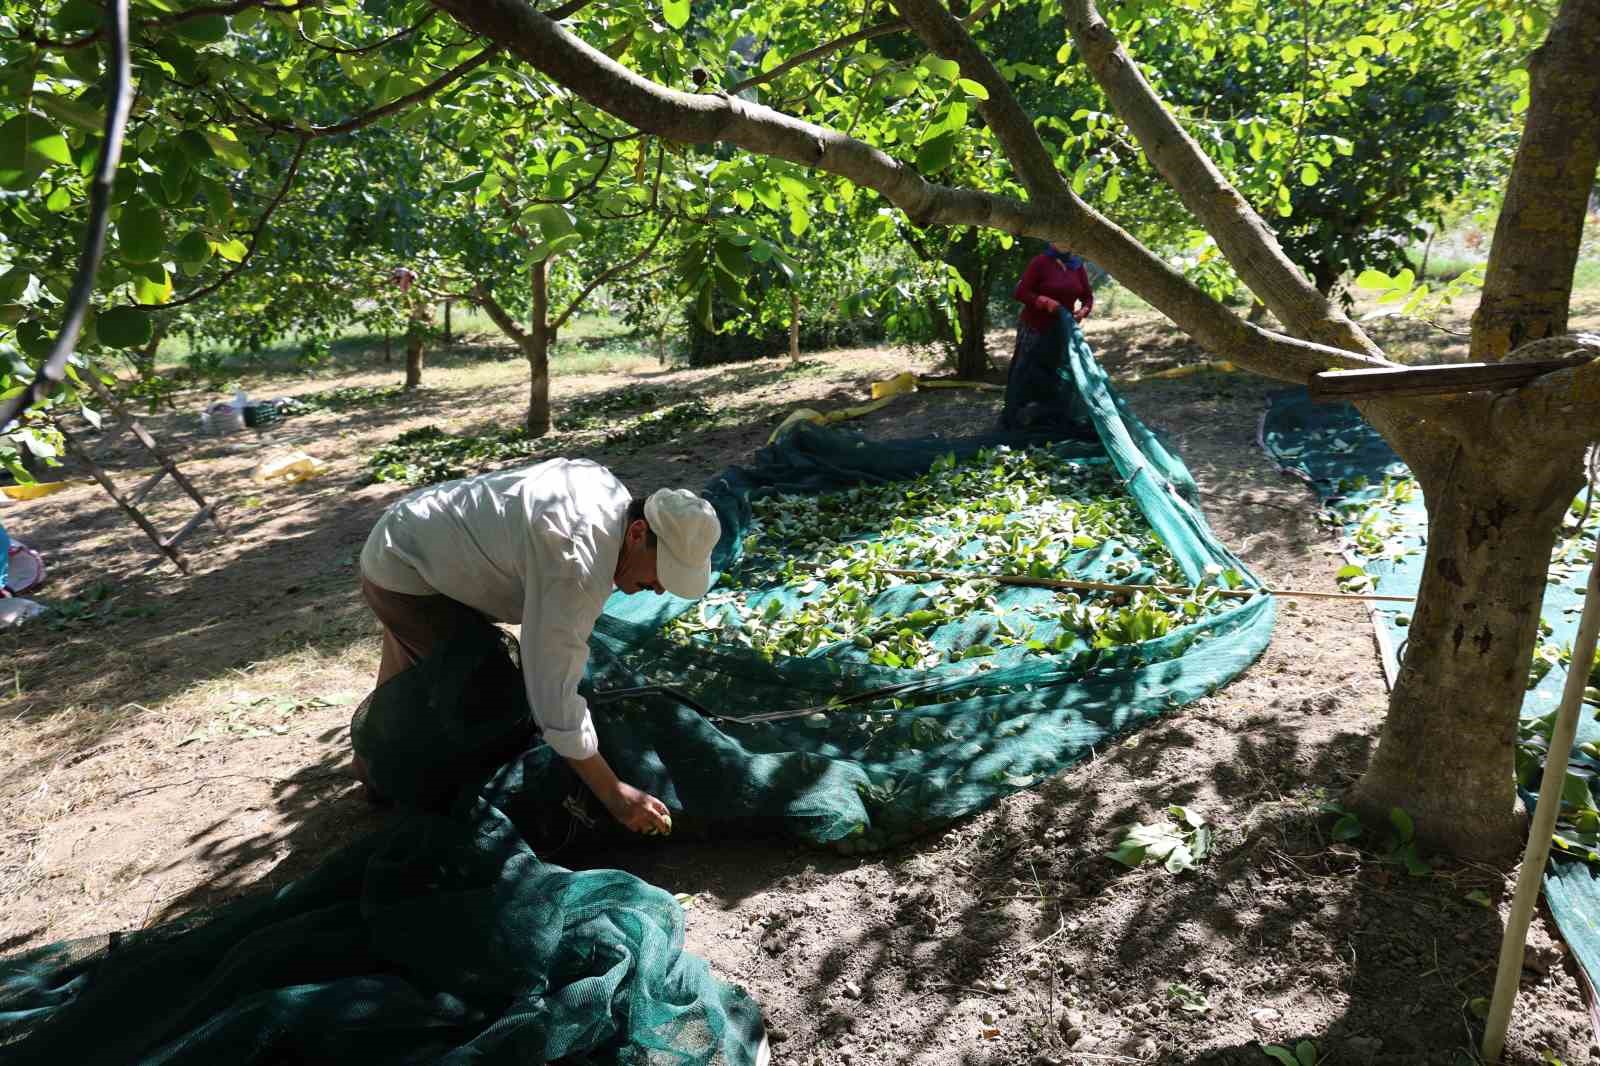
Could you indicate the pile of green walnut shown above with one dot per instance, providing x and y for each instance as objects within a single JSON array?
[{"x": 811, "y": 580}]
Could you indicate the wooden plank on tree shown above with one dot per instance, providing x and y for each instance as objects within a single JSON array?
[{"x": 1335, "y": 386}]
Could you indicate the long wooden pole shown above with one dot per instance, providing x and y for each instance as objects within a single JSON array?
[
  {"x": 1514, "y": 942},
  {"x": 1107, "y": 586}
]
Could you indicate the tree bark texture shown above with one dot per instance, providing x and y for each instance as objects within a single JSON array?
[
  {"x": 1446, "y": 751},
  {"x": 416, "y": 338},
  {"x": 794, "y": 326},
  {"x": 1528, "y": 285},
  {"x": 537, "y": 350},
  {"x": 972, "y": 352}
]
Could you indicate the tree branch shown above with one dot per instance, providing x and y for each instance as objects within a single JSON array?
[
  {"x": 364, "y": 49},
  {"x": 367, "y": 118},
  {"x": 1528, "y": 284},
  {"x": 498, "y": 314},
  {"x": 1249, "y": 244},
  {"x": 198, "y": 11},
  {"x": 567, "y": 10},
  {"x": 882, "y": 29},
  {"x": 1010, "y": 124},
  {"x": 606, "y": 276},
  {"x": 94, "y": 239},
  {"x": 704, "y": 119},
  {"x": 255, "y": 235}
]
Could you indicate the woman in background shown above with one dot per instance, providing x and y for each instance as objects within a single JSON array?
[{"x": 1038, "y": 393}]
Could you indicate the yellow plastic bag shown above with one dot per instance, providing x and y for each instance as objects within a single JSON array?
[
  {"x": 906, "y": 382},
  {"x": 35, "y": 490},
  {"x": 296, "y": 466}
]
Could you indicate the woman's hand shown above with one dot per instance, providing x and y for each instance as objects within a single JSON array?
[
  {"x": 1080, "y": 314},
  {"x": 1047, "y": 305}
]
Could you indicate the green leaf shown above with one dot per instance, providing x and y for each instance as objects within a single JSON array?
[
  {"x": 1306, "y": 1052},
  {"x": 125, "y": 327},
  {"x": 195, "y": 147},
  {"x": 228, "y": 149},
  {"x": 466, "y": 184},
  {"x": 1081, "y": 176},
  {"x": 149, "y": 290},
  {"x": 58, "y": 200},
  {"x": 1280, "y": 1054},
  {"x": 1347, "y": 827},
  {"x": 194, "y": 248},
  {"x": 141, "y": 231},
  {"x": 676, "y": 12},
  {"x": 80, "y": 16},
  {"x": 1575, "y": 792},
  {"x": 1345, "y": 573},
  {"x": 29, "y": 144},
  {"x": 233, "y": 250},
  {"x": 973, "y": 88},
  {"x": 948, "y": 69},
  {"x": 206, "y": 29},
  {"x": 1309, "y": 175},
  {"x": 13, "y": 283},
  {"x": 937, "y": 154},
  {"x": 1129, "y": 855},
  {"x": 1402, "y": 824},
  {"x": 71, "y": 111},
  {"x": 1374, "y": 279},
  {"x": 33, "y": 339},
  {"x": 553, "y": 219}
]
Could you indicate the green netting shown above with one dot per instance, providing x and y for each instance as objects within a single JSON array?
[
  {"x": 962, "y": 731},
  {"x": 445, "y": 939}
]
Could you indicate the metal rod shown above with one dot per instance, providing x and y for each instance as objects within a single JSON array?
[
  {"x": 1107, "y": 586},
  {"x": 1514, "y": 943}
]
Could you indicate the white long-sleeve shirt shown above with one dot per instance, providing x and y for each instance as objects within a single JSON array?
[{"x": 537, "y": 546}]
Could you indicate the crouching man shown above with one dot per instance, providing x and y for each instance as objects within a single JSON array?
[{"x": 543, "y": 546}]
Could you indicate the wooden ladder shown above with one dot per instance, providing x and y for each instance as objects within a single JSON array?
[{"x": 129, "y": 502}]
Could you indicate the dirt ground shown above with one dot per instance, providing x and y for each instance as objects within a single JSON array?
[{"x": 170, "y": 743}]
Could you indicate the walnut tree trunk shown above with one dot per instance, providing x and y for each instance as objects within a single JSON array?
[
  {"x": 415, "y": 337},
  {"x": 1446, "y": 752},
  {"x": 972, "y": 353},
  {"x": 536, "y": 347}
]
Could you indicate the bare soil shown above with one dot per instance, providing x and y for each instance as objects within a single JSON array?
[{"x": 170, "y": 743}]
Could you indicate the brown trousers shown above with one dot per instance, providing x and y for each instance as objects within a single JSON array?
[{"x": 412, "y": 625}]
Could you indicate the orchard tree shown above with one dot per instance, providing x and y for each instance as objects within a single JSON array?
[{"x": 1498, "y": 469}]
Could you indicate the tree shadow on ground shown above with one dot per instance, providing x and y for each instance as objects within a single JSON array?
[{"x": 1389, "y": 962}]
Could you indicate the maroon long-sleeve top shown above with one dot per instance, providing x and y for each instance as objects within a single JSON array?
[{"x": 1049, "y": 278}]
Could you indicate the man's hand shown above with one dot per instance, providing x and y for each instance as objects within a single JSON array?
[{"x": 638, "y": 810}]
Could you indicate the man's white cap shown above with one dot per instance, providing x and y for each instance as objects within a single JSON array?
[{"x": 686, "y": 530}]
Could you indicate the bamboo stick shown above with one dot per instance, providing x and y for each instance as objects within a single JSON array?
[
  {"x": 1106, "y": 586},
  {"x": 1514, "y": 943}
]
